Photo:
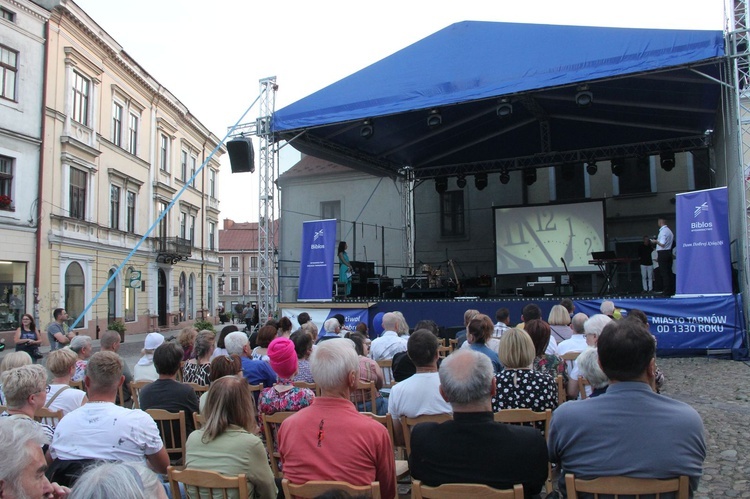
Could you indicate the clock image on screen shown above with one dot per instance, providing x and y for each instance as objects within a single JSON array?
[{"x": 535, "y": 238}]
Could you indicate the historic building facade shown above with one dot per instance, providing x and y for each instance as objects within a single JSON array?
[
  {"x": 118, "y": 148},
  {"x": 22, "y": 35}
]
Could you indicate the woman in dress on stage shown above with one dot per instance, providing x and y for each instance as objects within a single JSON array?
[{"x": 345, "y": 268}]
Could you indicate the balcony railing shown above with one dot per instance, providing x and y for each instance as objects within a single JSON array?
[{"x": 173, "y": 249}]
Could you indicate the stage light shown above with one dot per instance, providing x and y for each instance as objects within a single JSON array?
[
  {"x": 529, "y": 176},
  {"x": 591, "y": 168},
  {"x": 617, "y": 167},
  {"x": 505, "y": 108},
  {"x": 461, "y": 181},
  {"x": 434, "y": 119},
  {"x": 367, "y": 130},
  {"x": 667, "y": 160},
  {"x": 504, "y": 176},
  {"x": 441, "y": 184},
  {"x": 480, "y": 181},
  {"x": 584, "y": 97}
]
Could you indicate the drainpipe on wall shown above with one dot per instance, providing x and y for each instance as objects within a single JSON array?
[{"x": 40, "y": 186}]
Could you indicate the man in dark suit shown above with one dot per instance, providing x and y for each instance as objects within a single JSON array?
[{"x": 473, "y": 448}]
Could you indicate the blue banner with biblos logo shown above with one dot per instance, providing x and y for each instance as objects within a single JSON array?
[
  {"x": 702, "y": 253},
  {"x": 682, "y": 325},
  {"x": 317, "y": 258}
]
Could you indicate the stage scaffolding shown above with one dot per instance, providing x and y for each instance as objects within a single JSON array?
[{"x": 738, "y": 104}]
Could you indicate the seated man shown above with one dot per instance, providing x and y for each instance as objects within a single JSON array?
[
  {"x": 389, "y": 343},
  {"x": 22, "y": 463},
  {"x": 420, "y": 393},
  {"x": 255, "y": 371},
  {"x": 166, "y": 392},
  {"x": 330, "y": 440},
  {"x": 630, "y": 430},
  {"x": 473, "y": 448},
  {"x": 101, "y": 430}
]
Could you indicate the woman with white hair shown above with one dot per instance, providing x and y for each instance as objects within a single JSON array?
[
  {"x": 123, "y": 480},
  {"x": 26, "y": 391},
  {"x": 81, "y": 345},
  {"x": 592, "y": 328},
  {"x": 588, "y": 367}
]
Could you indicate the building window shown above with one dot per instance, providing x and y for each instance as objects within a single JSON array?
[
  {"x": 7, "y": 15},
  {"x": 130, "y": 301},
  {"x": 130, "y": 214},
  {"x": 78, "y": 180},
  {"x": 191, "y": 233},
  {"x": 183, "y": 166},
  {"x": 221, "y": 262},
  {"x": 6, "y": 176},
  {"x": 13, "y": 298},
  {"x": 253, "y": 262},
  {"x": 75, "y": 287},
  {"x": 191, "y": 297},
  {"x": 235, "y": 262},
  {"x": 193, "y": 162},
  {"x": 163, "y": 223},
  {"x": 234, "y": 284},
  {"x": 212, "y": 183},
  {"x": 81, "y": 88},
  {"x": 8, "y": 72},
  {"x": 211, "y": 235},
  {"x": 117, "y": 124},
  {"x": 210, "y": 295},
  {"x": 183, "y": 303},
  {"x": 253, "y": 285},
  {"x": 183, "y": 225},
  {"x": 452, "y": 214},
  {"x": 114, "y": 207},
  {"x": 164, "y": 154},
  {"x": 133, "y": 134}
]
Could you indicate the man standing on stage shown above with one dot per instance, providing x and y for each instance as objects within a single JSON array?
[{"x": 664, "y": 256}]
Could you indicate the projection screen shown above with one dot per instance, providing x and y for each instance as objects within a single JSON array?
[{"x": 535, "y": 239}]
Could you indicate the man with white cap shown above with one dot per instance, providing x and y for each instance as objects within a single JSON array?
[{"x": 144, "y": 369}]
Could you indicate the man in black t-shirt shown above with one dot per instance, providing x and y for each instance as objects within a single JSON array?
[{"x": 647, "y": 264}]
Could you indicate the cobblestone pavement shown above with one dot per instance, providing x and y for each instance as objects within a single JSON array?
[{"x": 720, "y": 391}]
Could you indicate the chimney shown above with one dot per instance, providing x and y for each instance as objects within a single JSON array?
[{"x": 228, "y": 223}]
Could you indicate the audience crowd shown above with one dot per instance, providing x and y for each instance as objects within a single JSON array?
[{"x": 596, "y": 374}]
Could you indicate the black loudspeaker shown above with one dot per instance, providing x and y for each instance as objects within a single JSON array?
[{"x": 241, "y": 155}]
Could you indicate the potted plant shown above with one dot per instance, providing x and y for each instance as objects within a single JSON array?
[
  {"x": 201, "y": 325},
  {"x": 5, "y": 202},
  {"x": 118, "y": 326}
]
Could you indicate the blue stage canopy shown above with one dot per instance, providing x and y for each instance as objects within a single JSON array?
[{"x": 642, "y": 81}]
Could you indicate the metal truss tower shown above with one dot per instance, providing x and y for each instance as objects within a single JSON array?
[
  {"x": 268, "y": 169},
  {"x": 738, "y": 179}
]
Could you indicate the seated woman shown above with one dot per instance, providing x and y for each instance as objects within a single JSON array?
[
  {"x": 266, "y": 334},
  {"x": 186, "y": 339},
  {"x": 221, "y": 348},
  {"x": 588, "y": 367},
  {"x": 553, "y": 365},
  {"x": 197, "y": 369},
  {"x": 478, "y": 334},
  {"x": 25, "y": 391},
  {"x": 283, "y": 396},
  {"x": 519, "y": 386},
  {"x": 11, "y": 361},
  {"x": 81, "y": 345},
  {"x": 61, "y": 396},
  {"x": 285, "y": 328},
  {"x": 559, "y": 321},
  {"x": 369, "y": 370},
  {"x": 303, "y": 345},
  {"x": 227, "y": 443},
  {"x": 225, "y": 365}
]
